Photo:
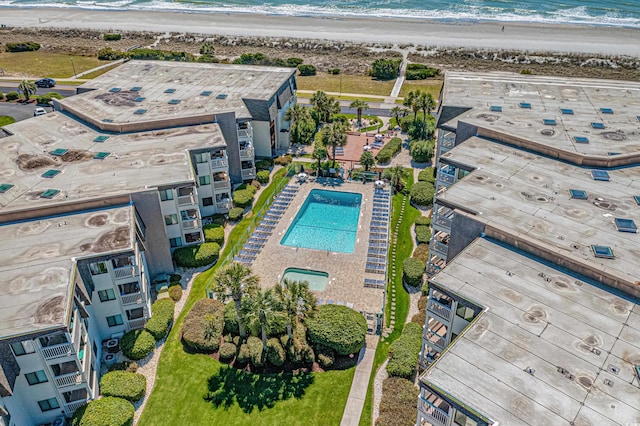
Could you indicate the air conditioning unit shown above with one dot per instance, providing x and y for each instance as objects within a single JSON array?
[
  {"x": 109, "y": 359},
  {"x": 60, "y": 421},
  {"x": 112, "y": 345}
]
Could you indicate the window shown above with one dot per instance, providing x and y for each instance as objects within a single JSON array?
[
  {"x": 464, "y": 313},
  {"x": 166, "y": 194},
  {"x": 36, "y": 377},
  {"x": 188, "y": 214},
  {"x": 53, "y": 340},
  {"x": 175, "y": 242},
  {"x": 23, "y": 348},
  {"x": 129, "y": 288},
  {"x": 135, "y": 314},
  {"x": 204, "y": 180},
  {"x": 201, "y": 157},
  {"x": 75, "y": 395},
  {"x": 114, "y": 320},
  {"x": 106, "y": 295},
  {"x": 461, "y": 419},
  {"x": 48, "y": 404},
  {"x": 98, "y": 268},
  {"x": 207, "y": 201},
  {"x": 171, "y": 219}
]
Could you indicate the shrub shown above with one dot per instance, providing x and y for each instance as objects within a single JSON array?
[
  {"x": 422, "y": 220},
  {"x": 284, "y": 160},
  {"x": 390, "y": 149},
  {"x": 235, "y": 214},
  {"x": 337, "y": 327},
  {"x": 251, "y": 188},
  {"x": 422, "y": 193},
  {"x": 160, "y": 322},
  {"x": 294, "y": 62},
  {"x": 242, "y": 198},
  {"x": 175, "y": 293},
  {"x": 112, "y": 37},
  {"x": 421, "y": 72},
  {"x": 525, "y": 71},
  {"x": 275, "y": 352},
  {"x": 214, "y": 233},
  {"x": 306, "y": 69},
  {"x": 264, "y": 164},
  {"x": 423, "y": 234},
  {"x": 404, "y": 352},
  {"x": 263, "y": 176},
  {"x": 244, "y": 356},
  {"x": 129, "y": 366},
  {"x": 421, "y": 151},
  {"x": 109, "y": 54},
  {"x": 203, "y": 326},
  {"x": 257, "y": 185},
  {"x": 422, "y": 252},
  {"x": 427, "y": 175},
  {"x": 421, "y": 316},
  {"x": 25, "y": 46},
  {"x": 334, "y": 71},
  {"x": 197, "y": 255},
  {"x": 1, "y": 96},
  {"x": 231, "y": 319},
  {"x": 174, "y": 279},
  {"x": 256, "y": 353},
  {"x": 385, "y": 69},
  {"x": 325, "y": 361},
  {"x": 137, "y": 344},
  {"x": 398, "y": 405},
  {"x": 412, "y": 271},
  {"x": 12, "y": 96},
  {"x": 227, "y": 351},
  {"x": 107, "y": 411},
  {"x": 122, "y": 384}
]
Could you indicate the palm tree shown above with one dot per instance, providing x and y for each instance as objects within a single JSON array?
[
  {"x": 426, "y": 104},
  {"x": 27, "y": 88},
  {"x": 261, "y": 310},
  {"x": 413, "y": 101},
  {"x": 235, "y": 280},
  {"x": 397, "y": 173},
  {"x": 320, "y": 154},
  {"x": 296, "y": 300},
  {"x": 367, "y": 160},
  {"x": 295, "y": 113},
  {"x": 396, "y": 112},
  {"x": 359, "y": 106},
  {"x": 325, "y": 106},
  {"x": 302, "y": 127},
  {"x": 334, "y": 135}
]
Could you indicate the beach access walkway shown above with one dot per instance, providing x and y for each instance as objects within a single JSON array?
[{"x": 360, "y": 383}]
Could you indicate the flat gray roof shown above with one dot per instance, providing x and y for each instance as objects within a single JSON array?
[
  {"x": 540, "y": 318},
  {"x": 527, "y": 196},
  {"x": 37, "y": 258},
  {"x": 615, "y": 104},
  {"x": 135, "y": 161}
]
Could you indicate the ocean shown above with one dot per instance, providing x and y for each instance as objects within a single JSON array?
[{"x": 623, "y": 13}]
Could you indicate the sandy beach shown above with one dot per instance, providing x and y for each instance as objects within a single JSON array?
[{"x": 489, "y": 35}]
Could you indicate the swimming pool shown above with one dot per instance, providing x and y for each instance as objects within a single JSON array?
[
  {"x": 317, "y": 280},
  {"x": 328, "y": 220}
]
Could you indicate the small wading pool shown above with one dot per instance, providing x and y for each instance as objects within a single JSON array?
[{"x": 317, "y": 280}]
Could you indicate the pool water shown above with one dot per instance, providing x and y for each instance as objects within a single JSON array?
[
  {"x": 328, "y": 220},
  {"x": 317, "y": 280}
]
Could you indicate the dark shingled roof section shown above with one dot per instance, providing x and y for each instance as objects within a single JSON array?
[
  {"x": 284, "y": 95},
  {"x": 9, "y": 370},
  {"x": 258, "y": 109}
]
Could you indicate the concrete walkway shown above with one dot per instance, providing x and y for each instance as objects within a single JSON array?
[
  {"x": 360, "y": 384},
  {"x": 110, "y": 64}
]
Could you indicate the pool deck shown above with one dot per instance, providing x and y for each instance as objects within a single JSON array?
[{"x": 346, "y": 270}]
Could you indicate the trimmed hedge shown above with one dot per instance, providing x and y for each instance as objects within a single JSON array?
[
  {"x": 422, "y": 220},
  {"x": 129, "y": 366},
  {"x": 337, "y": 327},
  {"x": 423, "y": 234},
  {"x": 242, "y": 198},
  {"x": 275, "y": 352},
  {"x": 25, "y": 46},
  {"x": 122, "y": 384},
  {"x": 227, "y": 351},
  {"x": 175, "y": 293},
  {"x": 214, "y": 233},
  {"x": 197, "y": 255},
  {"x": 161, "y": 318},
  {"x": 404, "y": 352},
  {"x": 412, "y": 271},
  {"x": 398, "y": 405},
  {"x": 231, "y": 319},
  {"x": 299, "y": 350},
  {"x": 422, "y": 193},
  {"x": 263, "y": 177},
  {"x": 390, "y": 149},
  {"x": 264, "y": 164},
  {"x": 107, "y": 411},
  {"x": 235, "y": 214},
  {"x": 137, "y": 344},
  {"x": 427, "y": 175},
  {"x": 284, "y": 160},
  {"x": 203, "y": 326},
  {"x": 12, "y": 96},
  {"x": 244, "y": 356},
  {"x": 421, "y": 151},
  {"x": 256, "y": 353}
]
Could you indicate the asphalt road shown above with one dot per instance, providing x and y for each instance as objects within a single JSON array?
[
  {"x": 384, "y": 112},
  {"x": 18, "y": 111},
  {"x": 63, "y": 90}
]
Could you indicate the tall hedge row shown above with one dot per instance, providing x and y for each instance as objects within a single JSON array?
[
  {"x": 107, "y": 411},
  {"x": 404, "y": 352},
  {"x": 161, "y": 318},
  {"x": 398, "y": 406},
  {"x": 123, "y": 384},
  {"x": 390, "y": 149}
]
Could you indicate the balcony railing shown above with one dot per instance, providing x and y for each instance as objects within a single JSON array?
[
  {"x": 246, "y": 153},
  {"x": 132, "y": 299},
  {"x": 71, "y": 407},
  {"x": 446, "y": 178},
  {"x": 443, "y": 221},
  {"x": 223, "y": 205},
  {"x": 438, "y": 308},
  {"x": 434, "y": 415},
  {"x": 219, "y": 163},
  {"x": 70, "y": 379},
  {"x": 248, "y": 173},
  {"x": 191, "y": 224},
  {"x": 436, "y": 339},
  {"x": 187, "y": 200},
  {"x": 125, "y": 272},
  {"x": 244, "y": 133},
  {"x": 137, "y": 323},
  {"x": 221, "y": 184},
  {"x": 57, "y": 351}
]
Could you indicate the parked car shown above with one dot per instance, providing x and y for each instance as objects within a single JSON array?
[
  {"x": 39, "y": 111},
  {"x": 46, "y": 82}
]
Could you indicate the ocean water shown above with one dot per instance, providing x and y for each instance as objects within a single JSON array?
[{"x": 587, "y": 12}]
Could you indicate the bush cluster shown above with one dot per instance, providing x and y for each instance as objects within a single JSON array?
[
  {"x": 299, "y": 350},
  {"x": 197, "y": 255},
  {"x": 283, "y": 160},
  {"x": 244, "y": 356},
  {"x": 334, "y": 71},
  {"x": 256, "y": 353},
  {"x": 421, "y": 72},
  {"x": 423, "y": 234},
  {"x": 161, "y": 318},
  {"x": 306, "y": 69},
  {"x": 227, "y": 351},
  {"x": 231, "y": 319},
  {"x": 242, "y": 198},
  {"x": 214, "y": 233},
  {"x": 264, "y": 164},
  {"x": 385, "y": 69},
  {"x": 427, "y": 175},
  {"x": 260, "y": 59},
  {"x": 398, "y": 405},
  {"x": 263, "y": 177},
  {"x": 421, "y": 151},
  {"x": 337, "y": 327},
  {"x": 422, "y": 193},
  {"x": 203, "y": 326},
  {"x": 122, "y": 384},
  {"x": 25, "y": 46},
  {"x": 12, "y": 96},
  {"x": 46, "y": 99},
  {"x": 112, "y": 37},
  {"x": 390, "y": 149},
  {"x": 404, "y": 352},
  {"x": 236, "y": 214},
  {"x": 175, "y": 293},
  {"x": 412, "y": 271},
  {"x": 107, "y": 411},
  {"x": 129, "y": 366},
  {"x": 137, "y": 344},
  {"x": 422, "y": 220},
  {"x": 275, "y": 352},
  {"x": 109, "y": 54}
]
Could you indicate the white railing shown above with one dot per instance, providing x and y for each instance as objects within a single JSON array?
[
  {"x": 441, "y": 248},
  {"x": 223, "y": 205},
  {"x": 246, "y": 153},
  {"x": 436, "y": 416},
  {"x": 131, "y": 299},
  {"x": 70, "y": 379},
  {"x": 221, "y": 184},
  {"x": 440, "y": 309},
  {"x": 125, "y": 272},
  {"x": 443, "y": 221},
  {"x": 186, "y": 200},
  {"x": 446, "y": 178},
  {"x": 244, "y": 133},
  {"x": 137, "y": 323},
  {"x": 248, "y": 173},
  {"x": 73, "y": 406},
  {"x": 190, "y": 224},
  {"x": 219, "y": 163},
  {"x": 57, "y": 351},
  {"x": 436, "y": 339}
]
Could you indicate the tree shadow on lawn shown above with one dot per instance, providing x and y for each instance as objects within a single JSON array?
[{"x": 251, "y": 390}]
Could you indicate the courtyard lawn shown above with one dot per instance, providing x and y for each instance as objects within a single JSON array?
[
  {"x": 195, "y": 389},
  {"x": 46, "y": 64},
  {"x": 350, "y": 84},
  {"x": 429, "y": 86},
  {"x": 6, "y": 120}
]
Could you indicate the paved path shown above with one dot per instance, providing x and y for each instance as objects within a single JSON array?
[
  {"x": 110, "y": 64},
  {"x": 360, "y": 384},
  {"x": 400, "y": 80}
]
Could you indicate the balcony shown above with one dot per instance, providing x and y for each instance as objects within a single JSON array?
[
  {"x": 71, "y": 379},
  {"x": 431, "y": 413},
  {"x": 219, "y": 163},
  {"x": 125, "y": 272},
  {"x": 446, "y": 178},
  {"x": 244, "y": 134},
  {"x": 443, "y": 222},
  {"x": 447, "y": 142},
  {"x": 246, "y": 153},
  {"x": 221, "y": 184},
  {"x": 191, "y": 224},
  {"x": 187, "y": 200},
  {"x": 132, "y": 299},
  {"x": 57, "y": 351},
  {"x": 249, "y": 173},
  {"x": 223, "y": 206},
  {"x": 436, "y": 339},
  {"x": 439, "y": 309},
  {"x": 137, "y": 323},
  {"x": 71, "y": 407},
  {"x": 440, "y": 249}
]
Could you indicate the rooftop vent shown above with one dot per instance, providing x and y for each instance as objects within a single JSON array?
[
  {"x": 139, "y": 99},
  {"x": 525, "y": 105},
  {"x": 5, "y": 187},
  {"x": 625, "y": 225},
  {"x": 547, "y": 132},
  {"x": 578, "y": 194},
  {"x": 174, "y": 101},
  {"x": 496, "y": 108},
  {"x": 566, "y": 111},
  {"x": 59, "y": 152},
  {"x": 614, "y": 136},
  {"x": 611, "y": 154},
  {"x": 136, "y": 89},
  {"x": 50, "y": 193},
  {"x": 636, "y": 198},
  {"x": 581, "y": 139},
  {"x": 222, "y": 96},
  {"x": 107, "y": 120},
  {"x": 549, "y": 122},
  {"x": 606, "y": 110},
  {"x": 600, "y": 175},
  {"x": 140, "y": 111},
  {"x": 170, "y": 91},
  {"x": 206, "y": 93},
  {"x": 100, "y": 138},
  {"x": 101, "y": 155},
  {"x": 613, "y": 369},
  {"x": 115, "y": 89},
  {"x": 51, "y": 173},
  {"x": 597, "y": 125},
  {"x": 604, "y": 252}
]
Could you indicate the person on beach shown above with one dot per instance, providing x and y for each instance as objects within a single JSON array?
[{"x": 503, "y": 28}]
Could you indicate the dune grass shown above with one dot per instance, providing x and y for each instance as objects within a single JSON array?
[{"x": 46, "y": 64}]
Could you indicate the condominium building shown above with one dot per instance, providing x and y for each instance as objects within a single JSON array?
[
  {"x": 533, "y": 296},
  {"x": 95, "y": 196}
]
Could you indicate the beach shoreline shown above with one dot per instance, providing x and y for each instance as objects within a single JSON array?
[{"x": 517, "y": 36}]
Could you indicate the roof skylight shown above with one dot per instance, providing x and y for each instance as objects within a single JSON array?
[
  {"x": 636, "y": 198},
  {"x": 597, "y": 125},
  {"x": 51, "y": 173},
  {"x": 170, "y": 91},
  {"x": 101, "y": 155},
  {"x": 496, "y": 108},
  {"x": 59, "y": 151},
  {"x": 581, "y": 139},
  {"x": 5, "y": 187},
  {"x": 578, "y": 194},
  {"x": 206, "y": 93},
  {"x": 600, "y": 175},
  {"x": 525, "y": 105},
  {"x": 222, "y": 96},
  {"x": 566, "y": 111},
  {"x": 136, "y": 89},
  {"x": 549, "y": 122},
  {"x": 625, "y": 225},
  {"x": 140, "y": 111},
  {"x": 50, "y": 193},
  {"x": 100, "y": 138},
  {"x": 107, "y": 120},
  {"x": 139, "y": 99},
  {"x": 606, "y": 110},
  {"x": 115, "y": 89},
  {"x": 604, "y": 252},
  {"x": 174, "y": 101}
]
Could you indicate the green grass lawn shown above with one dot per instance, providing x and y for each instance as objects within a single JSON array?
[
  {"x": 5, "y": 120},
  {"x": 194, "y": 389},
  {"x": 430, "y": 86},
  {"x": 46, "y": 64},
  {"x": 350, "y": 84}
]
